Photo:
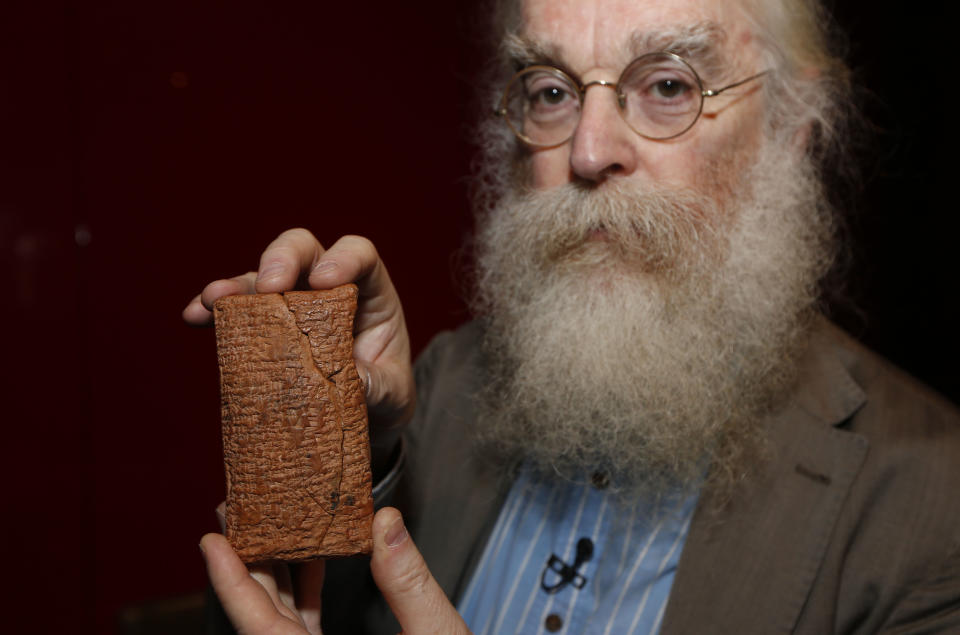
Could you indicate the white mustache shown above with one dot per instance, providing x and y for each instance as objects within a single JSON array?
[{"x": 654, "y": 228}]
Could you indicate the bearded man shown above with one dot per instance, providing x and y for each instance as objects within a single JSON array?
[{"x": 649, "y": 427}]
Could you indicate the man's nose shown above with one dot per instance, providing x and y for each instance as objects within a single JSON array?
[{"x": 603, "y": 145}]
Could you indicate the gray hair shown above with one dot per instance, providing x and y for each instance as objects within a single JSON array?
[{"x": 811, "y": 87}]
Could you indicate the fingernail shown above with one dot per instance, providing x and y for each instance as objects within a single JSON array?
[
  {"x": 220, "y": 512},
  {"x": 272, "y": 270},
  {"x": 396, "y": 534},
  {"x": 203, "y": 552},
  {"x": 324, "y": 266}
]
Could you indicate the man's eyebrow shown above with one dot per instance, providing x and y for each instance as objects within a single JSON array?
[
  {"x": 523, "y": 51},
  {"x": 699, "y": 43}
]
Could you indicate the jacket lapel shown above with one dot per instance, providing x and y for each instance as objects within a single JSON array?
[{"x": 749, "y": 567}]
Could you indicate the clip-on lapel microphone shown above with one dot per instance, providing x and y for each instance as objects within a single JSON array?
[{"x": 568, "y": 573}]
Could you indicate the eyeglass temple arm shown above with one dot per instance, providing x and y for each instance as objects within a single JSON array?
[{"x": 714, "y": 93}]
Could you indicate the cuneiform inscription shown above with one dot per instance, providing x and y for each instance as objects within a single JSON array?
[{"x": 295, "y": 440}]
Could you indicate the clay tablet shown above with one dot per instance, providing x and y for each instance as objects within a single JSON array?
[{"x": 295, "y": 441}]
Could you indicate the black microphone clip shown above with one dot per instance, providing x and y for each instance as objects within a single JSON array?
[{"x": 568, "y": 573}]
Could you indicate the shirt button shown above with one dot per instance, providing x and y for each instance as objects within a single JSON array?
[
  {"x": 553, "y": 622},
  {"x": 600, "y": 480}
]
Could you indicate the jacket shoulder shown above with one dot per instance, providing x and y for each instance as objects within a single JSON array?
[
  {"x": 897, "y": 405},
  {"x": 898, "y": 539}
]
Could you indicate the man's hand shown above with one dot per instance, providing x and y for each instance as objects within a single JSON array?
[
  {"x": 262, "y": 600},
  {"x": 401, "y": 574},
  {"x": 296, "y": 260}
]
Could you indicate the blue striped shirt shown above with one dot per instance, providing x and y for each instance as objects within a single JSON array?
[{"x": 626, "y": 580}]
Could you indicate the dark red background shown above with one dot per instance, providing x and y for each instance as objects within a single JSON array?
[{"x": 149, "y": 147}]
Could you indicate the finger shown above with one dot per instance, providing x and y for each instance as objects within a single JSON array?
[
  {"x": 381, "y": 347},
  {"x": 355, "y": 259},
  {"x": 246, "y": 602},
  {"x": 275, "y": 579},
  {"x": 400, "y": 572},
  {"x": 309, "y": 590},
  {"x": 200, "y": 310},
  {"x": 263, "y": 574},
  {"x": 195, "y": 314},
  {"x": 232, "y": 286},
  {"x": 289, "y": 257},
  {"x": 221, "y": 513},
  {"x": 390, "y": 391},
  {"x": 281, "y": 576}
]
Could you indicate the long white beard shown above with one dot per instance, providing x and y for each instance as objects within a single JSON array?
[{"x": 647, "y": 333}]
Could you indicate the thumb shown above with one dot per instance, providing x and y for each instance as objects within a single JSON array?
[
  {"x": 390, "y": 391},
  {"x": 400, "y": 572}
]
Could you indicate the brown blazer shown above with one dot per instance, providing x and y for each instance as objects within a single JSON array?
[{"x": 853, "y": 526}]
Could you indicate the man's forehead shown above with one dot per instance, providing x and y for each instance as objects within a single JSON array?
[
  {"x": 615, "y": 31},
  {"x": 632, "y": 13}
]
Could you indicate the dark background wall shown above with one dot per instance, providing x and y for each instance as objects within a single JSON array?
[{"x": 149, "y": 147}]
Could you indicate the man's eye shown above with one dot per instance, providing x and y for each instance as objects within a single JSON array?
[
  {"x": 669, "y": 89},
  {"x": 550, "y": 96}
]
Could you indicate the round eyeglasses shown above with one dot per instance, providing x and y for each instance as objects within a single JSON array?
[{"x": 659, "y": 95}]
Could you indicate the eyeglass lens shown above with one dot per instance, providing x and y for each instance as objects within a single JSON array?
[{"x": 659, "y": 96}]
